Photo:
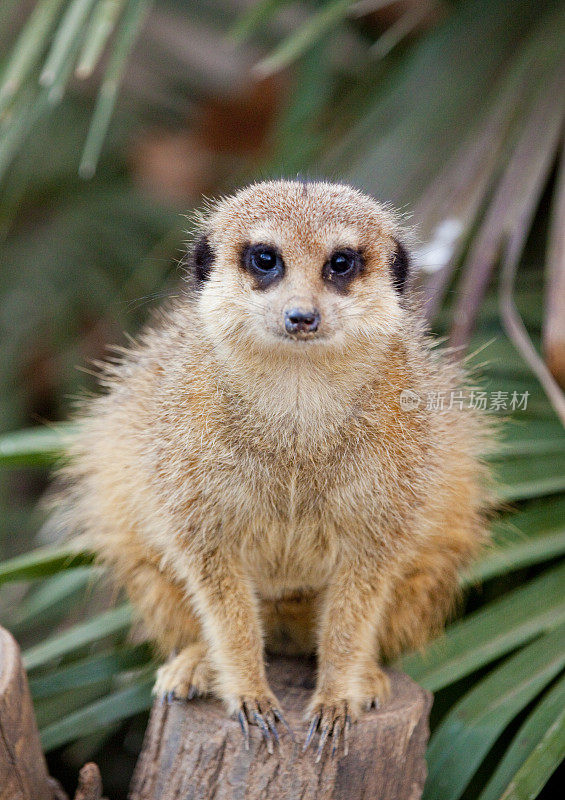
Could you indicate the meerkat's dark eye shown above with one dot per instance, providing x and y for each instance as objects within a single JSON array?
[
  {"x": 342, "y": 267},
  {"x": 342, "y": 262},
  {"x": 264, "y": 262},
  {"x": 264, "y": 259}
]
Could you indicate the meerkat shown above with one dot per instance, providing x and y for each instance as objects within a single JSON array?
[{"x": 252, "y": 475}]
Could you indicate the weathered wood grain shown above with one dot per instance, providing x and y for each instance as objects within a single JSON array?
[
  {"x": 193, "y": 750},
  {"x": 23, "y": 772}
]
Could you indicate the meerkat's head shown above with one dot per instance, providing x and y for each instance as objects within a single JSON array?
[{"x": 292, "y": 267}]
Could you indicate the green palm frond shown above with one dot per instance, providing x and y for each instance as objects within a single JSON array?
[
  {"x": 459, "y": 124},
  {"x": 472, "y": 725},
  {"x": 62, "y": 37}
]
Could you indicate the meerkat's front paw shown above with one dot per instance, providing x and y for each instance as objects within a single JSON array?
[
  {"x": 331, "y": 713},
  {"x": 186, "y": 676},
  {"x": 374, "y": 687},
  {"x": 264, "y": 712},
  {"x": 332, "y": 718}
]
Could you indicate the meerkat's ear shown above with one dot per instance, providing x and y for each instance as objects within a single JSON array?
[
  {"x": 199, "y": 260},
  {"x": 400, "y": 266}
]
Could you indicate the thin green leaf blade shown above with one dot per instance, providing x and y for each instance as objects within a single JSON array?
[
  {"x": 258, "y": 13},
  {"x": 540, "y": 766},
  {"x": 491, "y": 631},
  {"x": 42, "y": 562},
  {"x": 85, "y": 671},
  {"x": 100, "y": 28},
  {"x": 519, "y": 555},
  {"x": 50, "y": 710},
  {"x": 67, "y": 33},
  {"x": 471, "y": 727},
  {"x": 112, "y": 708},
  {"x": 105, "y": 102},
  {"x": 304, "y": 37},
  {"x": 27, "y": 49},
  {"x": 548, "y": 714},
  {"x": 521, "y": 539},
  {"x": 34, "y": 446},
  {"x": 51, "y": 597},
  {"x": 522, "y": 478},
  {"x": 117, "y": 620}
]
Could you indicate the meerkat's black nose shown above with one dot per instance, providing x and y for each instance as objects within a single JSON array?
[{"x": 297, "y": 320}]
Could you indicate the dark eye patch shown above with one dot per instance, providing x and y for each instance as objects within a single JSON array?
[
  {"x": 264, "y": 262},
  {"x": 400, "y": 266},
  {"x": 199, "y": 262},
  {"x": 342, "y": 267}
]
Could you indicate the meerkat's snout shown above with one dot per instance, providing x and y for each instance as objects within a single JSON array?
[{"x": 301, "y": 321}]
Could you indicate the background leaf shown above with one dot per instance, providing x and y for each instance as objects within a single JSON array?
[
  {"x": 449, "y": 110},
  {"x": 472, "y": 726}
]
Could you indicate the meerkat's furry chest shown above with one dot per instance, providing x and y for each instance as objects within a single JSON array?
[
  {"x": 285, "y": 470},
  {"x": 274, "y": 508},
  {"x": 288, "y": 538},
  {"x": 286, "y": 502}
]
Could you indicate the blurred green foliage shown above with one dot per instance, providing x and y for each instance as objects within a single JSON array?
[{"x": 451, "y": 110}]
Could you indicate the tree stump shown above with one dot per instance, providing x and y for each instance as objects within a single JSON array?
[
  {"x": 23, "y": 771},
  {"x": 193, "y": 750}
]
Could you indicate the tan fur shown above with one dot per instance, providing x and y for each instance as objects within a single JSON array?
[{"x": 253, "y": 491}]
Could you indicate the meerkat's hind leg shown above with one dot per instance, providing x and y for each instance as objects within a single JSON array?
[{"x": 187, "y": 675}]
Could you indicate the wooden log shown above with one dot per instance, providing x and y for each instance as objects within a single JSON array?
[
  {"x": 89, "y": 783},
  {"x": 194, "y": 750},
  {"x": 23, "y": 771}
]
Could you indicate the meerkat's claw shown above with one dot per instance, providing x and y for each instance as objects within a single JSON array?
[
  {"x": 263, "y": 714},
  {"x": 346, "y": 730},
  {"x": 279, "y": 717},
  {"x": 244, "y": 728},
  {"x": 186, "y": 676},
  {"x": 264, "y": 730},
  {"x": 171, "y": 695},
  {"x": 336, "y": 733},
  {"x": 310, "y": 734},
  {"x": 271, "y": 722},
  {"x": 331, "y": 722},
  {"x": 322, "y": 741}
]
